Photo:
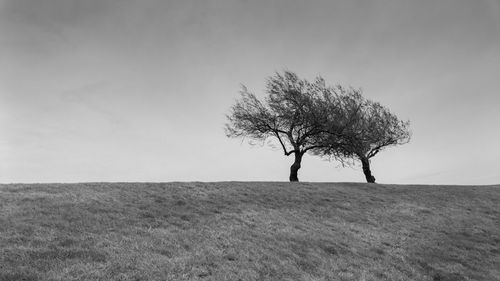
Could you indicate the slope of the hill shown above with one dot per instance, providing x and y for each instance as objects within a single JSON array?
[{"x": 248, "y": 231}]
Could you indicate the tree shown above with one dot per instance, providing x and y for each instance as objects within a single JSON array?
[
  {"x": 288, "y": 115},
  {"x": 369, "y": 128}
]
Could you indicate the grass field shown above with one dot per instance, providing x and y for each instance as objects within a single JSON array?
[{"x": 249, "y": 231}]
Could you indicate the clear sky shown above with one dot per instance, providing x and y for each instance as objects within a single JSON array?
[{"x": 126, "y": 90}]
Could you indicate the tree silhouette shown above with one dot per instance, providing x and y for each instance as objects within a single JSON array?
[
  {"x": 287, "y": 115},
  {"x": 369, "y": 128},
  {"x": 302, "y": 117}
]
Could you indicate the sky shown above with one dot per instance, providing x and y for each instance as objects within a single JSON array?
[{"x": 126, "y": 90}]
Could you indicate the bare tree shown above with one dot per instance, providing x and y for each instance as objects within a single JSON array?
[
  {"x": 302, "y": 117},
  {"x": 287, "y": 115},
  {"x": 368, "y": 128}
]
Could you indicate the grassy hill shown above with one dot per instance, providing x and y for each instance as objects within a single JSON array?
[{"x": 249, "y": 231}]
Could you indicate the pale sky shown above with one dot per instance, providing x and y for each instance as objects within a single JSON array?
[{"x": 128, "y": 90}]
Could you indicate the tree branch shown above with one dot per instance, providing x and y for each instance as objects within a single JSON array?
[{"x": 287, "y": 153}]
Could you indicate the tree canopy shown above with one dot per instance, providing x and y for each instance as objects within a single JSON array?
[
  {"x": 305, "y": 116},
  {"x": 287, "y": 114},
  {"x": 370, "y": 128}
]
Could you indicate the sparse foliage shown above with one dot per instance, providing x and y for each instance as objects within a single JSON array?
[
  {"x": 287, "y": 114},
  {"x": 371, "y": 128},
  {"x": 334, "y": 122}
]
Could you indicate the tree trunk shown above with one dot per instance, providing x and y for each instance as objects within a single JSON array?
[
  {"x": 294, "y": 169},
  {"x": 366, "y": 170}
]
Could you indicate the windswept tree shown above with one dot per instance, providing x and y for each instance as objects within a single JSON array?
[
  {"x": 288, "y": 114},
  {"x": 370, "y": 128},
  {"x": 302, "y": 117}
]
